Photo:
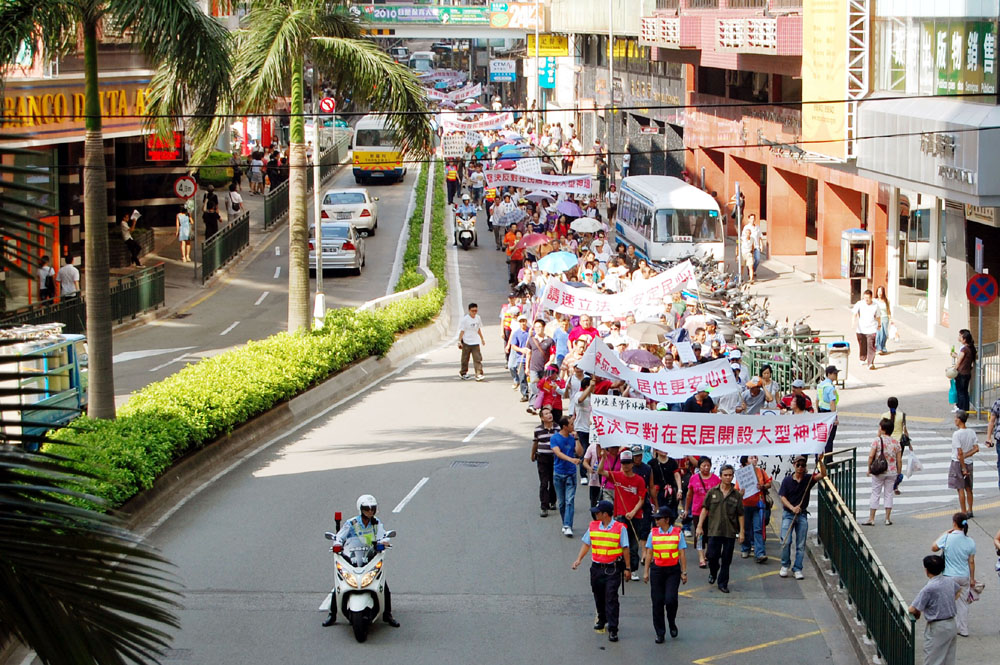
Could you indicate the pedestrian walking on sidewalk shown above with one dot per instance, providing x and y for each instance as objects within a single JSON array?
[
  {"x": 134, "y": 248},
  {"x": 959, "y": 552},
  {"x": 993, "y": 436},
  {"x": 794, "y": 495},
  {"x": 964, "y": 444},
  {"x": 900, "y": 433},
  {"x": 234, "y": 204},
  {"x": 470, "y": 342},
  {"x": 866, "y": 323},
  {"x": 541, "y": 455},
  {"x": 665, "y": 570},
  {"x": 722, "y": 522},
  {"x": 607, "y": 541},
  {"x": 884, "y": 319},
  {"x": 827, "y": 399},
  {"x": 885, "y": 459},
  {"x": 183, "y": 233},
  {"x": 965, "y": 361},
  {"x": 937, "y": 603}
]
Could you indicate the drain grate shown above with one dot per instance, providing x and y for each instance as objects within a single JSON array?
[{"x": 460, "y": 464}]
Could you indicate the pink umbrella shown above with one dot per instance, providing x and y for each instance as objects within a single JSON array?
[
  {"x": 506, "y": 164},
  {"x": 532, "y": 240}
]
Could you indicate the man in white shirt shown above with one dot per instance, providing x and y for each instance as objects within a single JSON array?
[
  {"x": 964, "y": 444},
  {"x": 470, "y": 339},
  {"x": 752, "y": 245},
  {"x": 866, "y": 321},
  {"x": 69, "y": 279}
]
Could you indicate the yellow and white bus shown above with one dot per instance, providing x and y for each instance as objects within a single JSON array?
[{"x": 376, "y": 155}]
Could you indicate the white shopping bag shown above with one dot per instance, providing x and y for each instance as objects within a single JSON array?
[
  {"x": 913, "y": 464},
  {"x": 893, "y": 332}
]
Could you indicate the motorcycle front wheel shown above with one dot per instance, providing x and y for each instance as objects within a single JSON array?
[{"x": 360, "y": 624}]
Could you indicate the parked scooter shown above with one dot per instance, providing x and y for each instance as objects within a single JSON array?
[{"x": 359, "y": 588}]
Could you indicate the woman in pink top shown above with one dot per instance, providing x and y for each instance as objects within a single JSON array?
[
  {"x": 698, "y": 487},
  {"x": 883, "y": 482}
]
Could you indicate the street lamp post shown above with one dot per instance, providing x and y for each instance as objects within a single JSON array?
[{"x": 319, "y": 308}]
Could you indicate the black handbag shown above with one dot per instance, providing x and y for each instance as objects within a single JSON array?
[
  {"x": 904, "y": 439},
  {"x": 880, "y": 464}
]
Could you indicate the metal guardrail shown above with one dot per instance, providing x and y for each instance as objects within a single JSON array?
[
  {"x": 275, "y": 205},
  {"x": 131, "y": 296},
  {"x": 222, "y": 247},
  {"x": 986, "y": 388},
  {"x": 876, "y": 600},
  {"x": 842, "y": 473},
  {"x": 790, "y": 358},
  {"x": 276, "y": 200}
]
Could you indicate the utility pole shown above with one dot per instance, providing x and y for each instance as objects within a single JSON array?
[
  {"x": 319, "y": 308},
  {"x": 538, "y": 71},
  {"x": 611, "y": 89}
]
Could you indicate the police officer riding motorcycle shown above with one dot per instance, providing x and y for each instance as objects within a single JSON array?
[{"x": 465, "y": 223}]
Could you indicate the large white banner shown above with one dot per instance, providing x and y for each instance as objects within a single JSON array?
[
  {"x": 529, "y": 165},
  {"x": 670, "y": 387},
  {"x": 570, "y": 184},
  {"x": 486, "y": 122},
  {"x": 444, "y": 75},
  {"x": 713, "y": 434},
  {"x": 585, "y": 300},
  {"x": 456, "y": 95}
]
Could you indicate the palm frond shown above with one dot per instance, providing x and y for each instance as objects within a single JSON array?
[
  {"x": 191, "y": 53},
  {"x": 34, "y": 24},
  {"x": 360, "y": 66}
]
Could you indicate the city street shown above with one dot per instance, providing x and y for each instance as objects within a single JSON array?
[
  {"x": 253, "y": 303},
  {"x": 476, "y": 575}
]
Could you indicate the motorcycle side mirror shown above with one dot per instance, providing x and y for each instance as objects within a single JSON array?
[
  {"x": 329, "y": 535},
  {"x": 391, "y": 534}
]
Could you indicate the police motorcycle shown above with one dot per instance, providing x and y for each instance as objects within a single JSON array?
[
  {"x": 465, "y": 226},
  {"x": 360, "y": 584}
]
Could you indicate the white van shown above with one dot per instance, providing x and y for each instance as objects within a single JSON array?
[{"x": 423, "y": 61}]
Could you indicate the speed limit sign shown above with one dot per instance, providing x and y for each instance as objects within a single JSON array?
[
  {"x": 185, "y": 187},
  {"x": 327, "y": 105}
]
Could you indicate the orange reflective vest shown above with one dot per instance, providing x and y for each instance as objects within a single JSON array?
[
  {"x": 451, "y": 173},
  {"x": 666, "y": 546},
  {"x": 605, "y": 546},
  {"x": 491, "y": 194}
]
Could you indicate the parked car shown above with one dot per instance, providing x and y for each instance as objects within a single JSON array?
[
  {"x": 355, "y": 205},
  {"x": 343, "y": 247}
]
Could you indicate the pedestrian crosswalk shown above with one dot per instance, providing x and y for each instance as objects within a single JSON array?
[{"x": 928, "y": 486}]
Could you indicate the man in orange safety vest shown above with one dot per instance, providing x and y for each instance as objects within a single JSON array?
[{"x": 607, "y": 542}]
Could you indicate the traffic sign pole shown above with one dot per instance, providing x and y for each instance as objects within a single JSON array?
[{"x": 981, "y": 290}]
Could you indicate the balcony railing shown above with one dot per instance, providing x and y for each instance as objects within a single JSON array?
[
  {"x": 748, "y": 4},
  {"x": 703, "y": 4}
]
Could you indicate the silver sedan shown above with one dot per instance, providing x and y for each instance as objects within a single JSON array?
[{"x": 343, "y": 247}]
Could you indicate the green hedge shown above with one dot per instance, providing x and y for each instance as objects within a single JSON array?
[
  {"x": 216, "y": 170},
  {"x": 439, "y": 234},
  {"x": 410, "y": 274},
  {"x": 170, "y": 418}
]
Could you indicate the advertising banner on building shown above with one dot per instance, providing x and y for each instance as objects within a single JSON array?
[
  {"x": 713, "y": 434},
  {"x": 503, "y": 71},
  {"x": 568, "y": 184},
  {"x": 549, "y": 46},
  {"x": 824, "y": 77}
]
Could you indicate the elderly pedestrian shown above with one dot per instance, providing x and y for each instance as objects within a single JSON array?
[
  {"x": 694, "y": 498},
  {"x": 885, "y": 459},
  {"x": 959, "y": 552},
  {"x": 936, "y": 601},
  {"x": 794, "y": 495},
  {"x": 756, "y": 512}
]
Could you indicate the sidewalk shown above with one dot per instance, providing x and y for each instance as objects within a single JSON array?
[{"x": 913, "y": 371}]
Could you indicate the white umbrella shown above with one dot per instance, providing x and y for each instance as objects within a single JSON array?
[
  {"x": 586, "y": 225},
  {"x": 539, "y": 195}
]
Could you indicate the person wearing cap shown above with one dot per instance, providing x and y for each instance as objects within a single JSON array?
[
  {"x": 721, "y": 521},
  {"x": 736, "y": 356},
  {"x": 607, "y": 541},
  {"x": 712, "y": 333},
  {"x": 645, "y": 523},
  {"x": 629, "y": 494},
  {"x": 753, "y": 398},
  {"x": 798, "y": 388},
  {"x": 665, "y": 570},
  {"x": 464, "y": 209},
  {"x": 794, "y": 495},
  {"x": 700, "y": 402},
  {"x": 827, "y": 398}
]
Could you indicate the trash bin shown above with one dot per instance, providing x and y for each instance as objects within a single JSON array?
[{"x": 838, "y": 353}]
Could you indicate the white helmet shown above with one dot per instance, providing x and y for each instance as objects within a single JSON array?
[
  {"x": 465, "y": 197},
  {"x": 367, "y": 500}
]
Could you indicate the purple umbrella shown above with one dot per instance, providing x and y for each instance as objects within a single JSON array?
[
  {"x": 569, "y": 209},
  {"x": 641, "y": 358}
]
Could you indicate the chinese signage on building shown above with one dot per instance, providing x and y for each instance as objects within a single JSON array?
[
  {"x": 164, "y": 150},
  {"x": 549, "y": 46},
  {"x": 547, "y": 73},
  {"x": 824, "y": 77}
]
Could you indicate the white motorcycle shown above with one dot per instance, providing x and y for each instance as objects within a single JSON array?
[
  {"x": 465, "y": 230},
  {"x": 359, "y": 589}
]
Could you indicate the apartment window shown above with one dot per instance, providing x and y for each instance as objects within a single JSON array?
[
  {"x": 712, "y": 81},
  {"x": 668, "y": 4},
  {"x": 703, "y": 4},
  {"x": 749, "y": 4}
]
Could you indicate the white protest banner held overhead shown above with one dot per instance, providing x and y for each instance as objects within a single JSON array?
[
  {"x": 712, "y": 434},
  {"x": 483, "y": 123},
  {"x": 529, "y": 165},
  {"x": 569, "y": 184},
  {"x": 468, "y": 91},
  {"x": 671, "y": 387},
  {"x": 614, "y": 402},
  {"x": 453, "y": 145},
  {"x": 585, "y": 300}
]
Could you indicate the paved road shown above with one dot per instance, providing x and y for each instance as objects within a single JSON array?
[
  {"x": 254, "y": 304},
  {"x": 476, "y": 575}
]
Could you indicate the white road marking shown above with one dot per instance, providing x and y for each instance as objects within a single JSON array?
[
  {"x": 261, "y": 299},
  {"x": 277, "y": 250},
  {"x": 230, "y": 328},
  {"x": 169, "y": 362},
  {"x": 277, "y": 272},
  {"x": 147, "y": 353},
  {"x": 406, "y": 499},
  {"x": 478, "y": 429}
]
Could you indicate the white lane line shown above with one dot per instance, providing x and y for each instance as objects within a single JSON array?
[
  {"x": 277, "y": 272},
  {"x": 478, "y": 429},
  {"x": 277, "y": 250},
  {"x": 230, "y": 328},
  {"x": 169, "y": 362},
  {"x": 406, "y": 499},
  {"x": 261, "y": 299}
]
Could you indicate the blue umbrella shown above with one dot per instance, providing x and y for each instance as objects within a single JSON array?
[
  {"x": 509, "y": 148},
  {"x": 496, "y": 143},
  {"x": 557, "y": 262},
  {"x": 441, "y": 85}
]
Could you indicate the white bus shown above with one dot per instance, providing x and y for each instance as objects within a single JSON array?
[
  {"x": 667, "y": 219},
  {"x": 375, "y": 153}
]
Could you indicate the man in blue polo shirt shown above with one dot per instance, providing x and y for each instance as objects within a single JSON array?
[{"x": 567, "y": 453}]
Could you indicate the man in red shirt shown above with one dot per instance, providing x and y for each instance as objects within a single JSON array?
[
  {"x": 585, "y": 327},
  {"x": 798, "y": 388},
  {"x": 630, "y": 490}
]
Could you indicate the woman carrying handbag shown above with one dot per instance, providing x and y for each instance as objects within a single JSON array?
[
  {"x": 898, "y": 419},
  {"x": 885, "y": 459}
]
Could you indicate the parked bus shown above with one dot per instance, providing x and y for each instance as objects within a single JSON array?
[
  {"x": 376, "y": 155},
  {"x": 667, "y": 219}
]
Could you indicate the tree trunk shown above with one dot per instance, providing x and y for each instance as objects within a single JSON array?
[
  {"x": 101, "y": 378},
  {"x": 299, "y": 317}
]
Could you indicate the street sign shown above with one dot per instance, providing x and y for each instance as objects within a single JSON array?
[
  {"x": 503, "y": 71},
  {"x": 547, "y": 73},
  {"x": 185, "y": 187},
  {"x": 327, "y": 105},
  {"x": 979, "y": 254},
  {"x": 982, "y": 289},
  {"x": 649, "y": 129}
]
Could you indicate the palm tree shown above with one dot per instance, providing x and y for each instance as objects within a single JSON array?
[
  {"x": 74, "y": 585},
  {"x": 279, "y": 36},
  {"x": 189, "y": 50}
]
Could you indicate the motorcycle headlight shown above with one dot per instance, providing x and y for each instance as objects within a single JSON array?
[
  {"x": 368, "y": 578},
  {"x": 347, "y": 576}
]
